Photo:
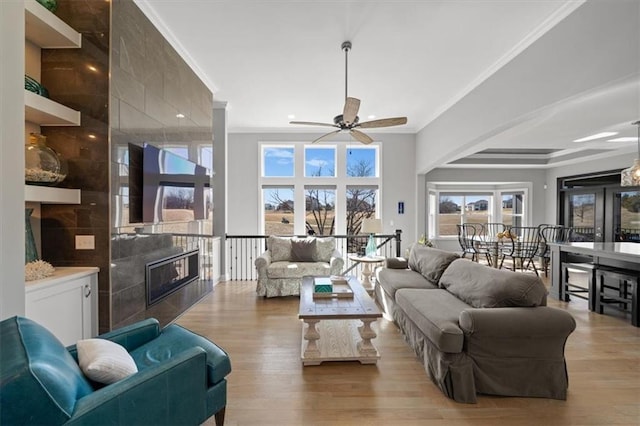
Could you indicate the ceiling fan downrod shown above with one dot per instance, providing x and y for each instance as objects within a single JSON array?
[{"x": 346, "y": 46}]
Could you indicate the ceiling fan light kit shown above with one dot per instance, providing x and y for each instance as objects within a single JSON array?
[
  {"x": 349, "y": 120},
  {"x": 631, "y": 175}
]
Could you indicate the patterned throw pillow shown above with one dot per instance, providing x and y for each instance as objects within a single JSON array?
[
  {"x": 324, "y": 249},
  {"x": 280, "y": 248},
  {"x": 303, "y": 250}
]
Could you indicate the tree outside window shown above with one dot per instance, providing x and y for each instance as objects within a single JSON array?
[
  {"x": 319, "y": 162},
  {"x": 320, "y": 208}
]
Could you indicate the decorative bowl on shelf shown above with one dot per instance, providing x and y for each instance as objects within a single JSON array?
[
  {"x": 43, "y": 166},
  {"x": 32, "y": 85}
]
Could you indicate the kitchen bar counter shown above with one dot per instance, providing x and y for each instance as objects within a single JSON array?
[{"x": 617, "y": 255}]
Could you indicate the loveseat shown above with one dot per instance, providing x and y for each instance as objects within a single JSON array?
[
  {"x": 288, "y": 259},
  {"x": 180, "y": 378},
  {"x": 477, "y": 330}
]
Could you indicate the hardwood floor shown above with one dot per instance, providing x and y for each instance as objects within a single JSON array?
[{"x": 269, "y": 386}]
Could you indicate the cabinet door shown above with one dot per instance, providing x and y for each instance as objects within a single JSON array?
[{"x": 64, "y": 309}]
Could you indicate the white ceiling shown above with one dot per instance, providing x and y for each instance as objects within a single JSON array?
[{"x": 269, "y": 59}]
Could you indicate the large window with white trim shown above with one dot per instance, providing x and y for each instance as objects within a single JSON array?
[
  {"x": 458, "y": 208},
  {"x": 450, "y": 207},
  {"x": 324, "y": 189}
]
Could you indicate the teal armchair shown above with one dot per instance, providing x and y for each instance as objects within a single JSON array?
[{"x": 180, "y": 378}]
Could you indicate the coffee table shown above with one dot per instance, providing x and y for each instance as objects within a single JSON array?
[{"x": 337, "y": 329}]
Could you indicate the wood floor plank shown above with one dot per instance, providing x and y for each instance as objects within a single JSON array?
[{"x": 269, "y": 386}]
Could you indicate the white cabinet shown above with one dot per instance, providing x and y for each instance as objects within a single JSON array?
[{"x": 65, "y": 303}]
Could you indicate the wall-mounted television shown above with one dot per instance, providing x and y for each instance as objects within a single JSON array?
[{"x": 165, "y": 187}]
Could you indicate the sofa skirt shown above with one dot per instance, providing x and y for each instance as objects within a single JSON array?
[
  {"x": 451, "y": 372},
  {"x": 276, "y": 287}
]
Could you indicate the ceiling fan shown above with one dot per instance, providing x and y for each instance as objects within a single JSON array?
[{"x": 349, "y": 119}]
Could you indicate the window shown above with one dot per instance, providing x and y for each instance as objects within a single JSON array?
[
  {"x": 320, "y": 208},
  {"x": 278, "y": 210},
  {"x": 338, "y": 185},
  {"x": 456, "y": 209},
  {"x": 453, "y": 203},
  {"x": 362, "y": 162},
  {"x": 512, "y": 208},
  {"x": 277, "y": 162},
  {"x": 319, "y": 162}
]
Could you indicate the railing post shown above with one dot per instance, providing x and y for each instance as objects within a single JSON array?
[{"x": 398, "y": 241}]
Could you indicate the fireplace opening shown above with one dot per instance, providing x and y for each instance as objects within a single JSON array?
[{"x": 168, "y": 275}]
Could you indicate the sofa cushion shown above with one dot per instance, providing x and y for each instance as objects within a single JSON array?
[
  {"x": 297, "y": 269},
  {"x": 303, "y": 250},
  {"x": 279, "y": 247},
  {"x": 430, "y": 262},
  {"x": 435, "y": 312},
  {"x": 392, "y": 280},
  {"x": 485, "y": 287},
  {"x": 324, "y": 249}
]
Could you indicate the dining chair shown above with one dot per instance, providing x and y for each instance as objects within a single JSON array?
[
  {"x": 492, "y": 229},
  {"x": 523, "y": 244},
  {"x": 466, "y": 237},
  {"x": 551, "y": 234},
  {"x": 479, "y": 242}
]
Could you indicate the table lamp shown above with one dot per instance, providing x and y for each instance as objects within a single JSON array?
[{"x": 371, "y": 227}]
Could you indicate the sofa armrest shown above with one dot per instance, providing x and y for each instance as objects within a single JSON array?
[
  {"x": 130, "y": 336},
  {"x": 396, "y": 263},
  {"x": 529, "y": 332},
  {"x": 336, "y": 262},
  {"x": 141, "y": 398},
  {"x": 263, "y": 261}
]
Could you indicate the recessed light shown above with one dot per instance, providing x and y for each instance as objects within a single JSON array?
[
  {"x": 180, "y": 115},
  {"x": 596, "y": 136},
  {"x": 291, "y": 116},
  {"x": 92, "y": 136},
  {"x": 371, "y": 117},
  {"x": 625, "y": 139},
  {"x": 92, "y": 68}
]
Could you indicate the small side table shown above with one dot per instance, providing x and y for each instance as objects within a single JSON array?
[{"x": 366, "y": 269}]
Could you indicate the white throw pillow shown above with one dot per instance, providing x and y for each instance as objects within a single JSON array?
[{"x": 104, "y": 361}]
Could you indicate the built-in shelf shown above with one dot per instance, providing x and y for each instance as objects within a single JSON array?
[
  {"x": 46, "y": 30},
  {"x": 50, "y": 195},
  {"x": 45, "y": 112}
]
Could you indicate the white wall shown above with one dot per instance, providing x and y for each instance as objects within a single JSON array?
[
  {"x": 398, "y": 184},
  {"x": 12, "y": 158},
  {"x": 594, "y": 46}
]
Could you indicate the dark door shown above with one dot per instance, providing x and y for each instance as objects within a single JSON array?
[
  {"x": 583, "y": 210},
  {"x": 625, "y": 214}
]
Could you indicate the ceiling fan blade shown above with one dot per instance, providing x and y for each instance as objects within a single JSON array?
[
  {"x": 383, "y": 122},
  {"x": 350, "y": 112},
  {"x": 312, "y": 123},
  {"x": 360, "y": 137},
  {"x": 327, "y": 136}
]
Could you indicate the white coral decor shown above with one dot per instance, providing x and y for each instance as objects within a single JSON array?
[{"x": 37, "y": 270}]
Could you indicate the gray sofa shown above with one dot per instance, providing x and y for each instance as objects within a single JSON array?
[
  {"x": 477, "y": 330},
  {"x": 287, "y": 259}
]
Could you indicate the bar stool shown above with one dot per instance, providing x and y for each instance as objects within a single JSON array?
[
  {"x": 618, "y": 289},
  {"x": 580, "y": 291}
]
